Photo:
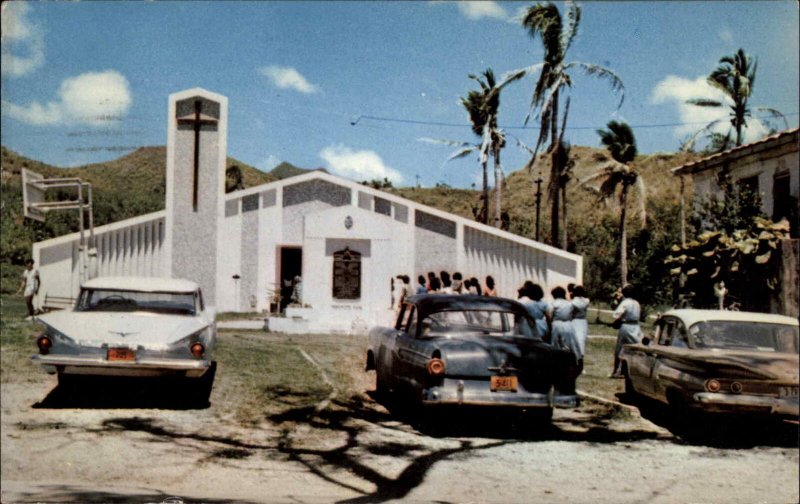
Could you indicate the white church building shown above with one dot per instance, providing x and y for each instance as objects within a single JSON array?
[{"x": 346, "y": 240}]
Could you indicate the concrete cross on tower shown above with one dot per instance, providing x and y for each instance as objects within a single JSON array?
[{"x": 196, "y": 119}]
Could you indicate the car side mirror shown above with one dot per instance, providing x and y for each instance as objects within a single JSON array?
[{"x": 646, "y": 341}]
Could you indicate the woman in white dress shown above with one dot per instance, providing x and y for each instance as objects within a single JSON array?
[
  {"x": 580, "y": 305},
  {"x": 562, "y": 332}
]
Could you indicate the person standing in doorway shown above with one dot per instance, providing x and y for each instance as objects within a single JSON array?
[
  {"x": 626, "y": 317},
  {"x": 29, "y": 285}
]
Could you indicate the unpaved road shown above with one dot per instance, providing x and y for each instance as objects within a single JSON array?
[{"x": 354, "y": 451}]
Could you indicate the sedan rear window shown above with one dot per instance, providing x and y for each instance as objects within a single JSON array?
[
  {"x": 746, "y": 335},
  {"x": 477, "y": 322},
  {"x": 109, "y": 300}
]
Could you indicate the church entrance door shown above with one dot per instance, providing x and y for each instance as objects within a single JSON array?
[{"x": 291, "y": 266}]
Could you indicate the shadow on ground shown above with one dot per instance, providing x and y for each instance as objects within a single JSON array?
[
  {"x": 116, "y": 392},
  {"x": 68, "y": 493},
  {"x": 719, "y": 431}
]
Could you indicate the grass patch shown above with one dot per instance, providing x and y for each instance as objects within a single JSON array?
[
  {"x": 17, "y": 342},
  {"x": 226, "y": 316},
  {"x": 597, "y": 366},
  {"x": 263, "y": 375}
]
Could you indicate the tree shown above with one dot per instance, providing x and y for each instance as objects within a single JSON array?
[
  {"x": 544, "y": 21},
  {"x": 482, "y": 106},
  {"x": 620, "y": 173},
  {"x": 734, "y": 77},
  {"x": 233, "y": 179}
]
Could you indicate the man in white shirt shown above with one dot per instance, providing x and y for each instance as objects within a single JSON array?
[{"x": 29, "y": 285}]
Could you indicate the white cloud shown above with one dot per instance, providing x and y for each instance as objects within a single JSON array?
[
  {"x": 288, "y": 78},
  {"x": 358, "y": 165},
  {"x": 678, "y": 90},
  {"x": 21, "y": 42},
  {"x": 93, "y": 98},
  {"x": 482, "y": 9},
  {"x": 726, "y": 34}
]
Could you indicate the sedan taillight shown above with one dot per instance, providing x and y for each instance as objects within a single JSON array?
[
  {"x": 44, "y": 343},
  {"x": 435, "y": 367}
]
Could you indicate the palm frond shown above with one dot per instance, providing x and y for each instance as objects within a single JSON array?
[
  {"x": 571, "y": 30},
  {"x": 704, "y": 102},
  {"x": 688, "y": 145},
  {"x": 593, "y": 70},
  {"x": 774, "y": 114},
  {"x": 461, "y": 153},
  {"x": 439, "y": 141}
]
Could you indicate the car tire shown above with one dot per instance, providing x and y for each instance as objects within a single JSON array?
[
  {"x": 200, "y": 388},
  {"x": 630, "y": 392}
]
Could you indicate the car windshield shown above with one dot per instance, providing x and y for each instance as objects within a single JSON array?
[
  {"x": 746, "y": 335},
  {"x": 109, "y": 300},
  {"x": 478, "y": 322}
]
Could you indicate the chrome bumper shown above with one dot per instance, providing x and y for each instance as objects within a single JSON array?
[
  {"x": 98, "y": 366},
  {"x": 748, "y": 403},
  {"x": 477, "y": 393}
]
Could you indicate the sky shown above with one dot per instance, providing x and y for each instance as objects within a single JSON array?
[{"x": 358, "y": 87}]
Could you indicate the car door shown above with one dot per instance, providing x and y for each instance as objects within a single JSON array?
[
  {"x": 640, "y": 367},
  {"x": 662, "y": 373},
  {"x": 404, "y": 343}
]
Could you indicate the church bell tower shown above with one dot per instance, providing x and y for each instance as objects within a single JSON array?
[{"x": 195, "y": 189}]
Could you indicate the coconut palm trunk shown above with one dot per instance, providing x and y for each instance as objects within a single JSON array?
[
  {"x": 483, "y": 216},
  {"x": 498, "y": 188},
  {"x": 623, "y": 234}
]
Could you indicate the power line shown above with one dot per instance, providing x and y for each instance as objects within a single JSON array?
[{"x": 463, "y": 125}]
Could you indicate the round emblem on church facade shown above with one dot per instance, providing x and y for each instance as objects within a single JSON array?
[{"x": 348, "y": 222}]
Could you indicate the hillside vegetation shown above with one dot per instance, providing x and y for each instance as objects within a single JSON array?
[{"x": 134, "y": 185}]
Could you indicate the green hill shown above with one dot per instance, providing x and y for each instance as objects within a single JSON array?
[{"x": 286, "y": 170}]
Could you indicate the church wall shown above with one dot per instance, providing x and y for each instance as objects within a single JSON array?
[
  {"x": 248, "y": 283},
  {"x": 435, "y": 244},
  {"x": 129, "y": 248},
  {"x": 231, "y": 237}
]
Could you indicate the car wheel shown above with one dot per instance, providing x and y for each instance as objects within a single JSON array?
[
  {"x": 200, "y": 388},
  {"x": 630, "y": 392}
]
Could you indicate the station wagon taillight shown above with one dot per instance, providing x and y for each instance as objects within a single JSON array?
[{"x": 712, "y": 385}]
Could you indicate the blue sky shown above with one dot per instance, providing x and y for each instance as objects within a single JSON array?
[{"x": 88, "y": 81}]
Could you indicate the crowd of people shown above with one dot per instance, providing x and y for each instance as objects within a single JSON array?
[{"x": 562, "y": 322}]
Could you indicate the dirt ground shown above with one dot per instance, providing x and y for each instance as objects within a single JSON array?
[{"x": 59, "y": 447}]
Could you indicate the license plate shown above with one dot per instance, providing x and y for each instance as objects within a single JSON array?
[
  {"x": 121, "y": 354},
  {"x": 503, "y": 383},
  {"x": 789, "y": 392}
]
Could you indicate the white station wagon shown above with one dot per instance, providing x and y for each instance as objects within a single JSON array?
[{"x": 132, "y": 326}]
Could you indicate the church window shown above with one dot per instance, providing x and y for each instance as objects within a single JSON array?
[
  {"x": 436, "y": 224},
  {"x": 232, "y": 207},
  {"x": 316, "y": 190},
  {"x": 383, "y": 206},
  {"x": 250, "y": 203}
]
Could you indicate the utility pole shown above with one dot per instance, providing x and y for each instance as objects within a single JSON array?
[{"x": 538, "y": 183}]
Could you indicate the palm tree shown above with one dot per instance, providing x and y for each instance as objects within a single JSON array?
[
  {"x": 620, "y": 172},
  {"x": 734, "y": 77},
  {"x": 545, "y": 22},
  {"x": 482, "y": 106}
]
